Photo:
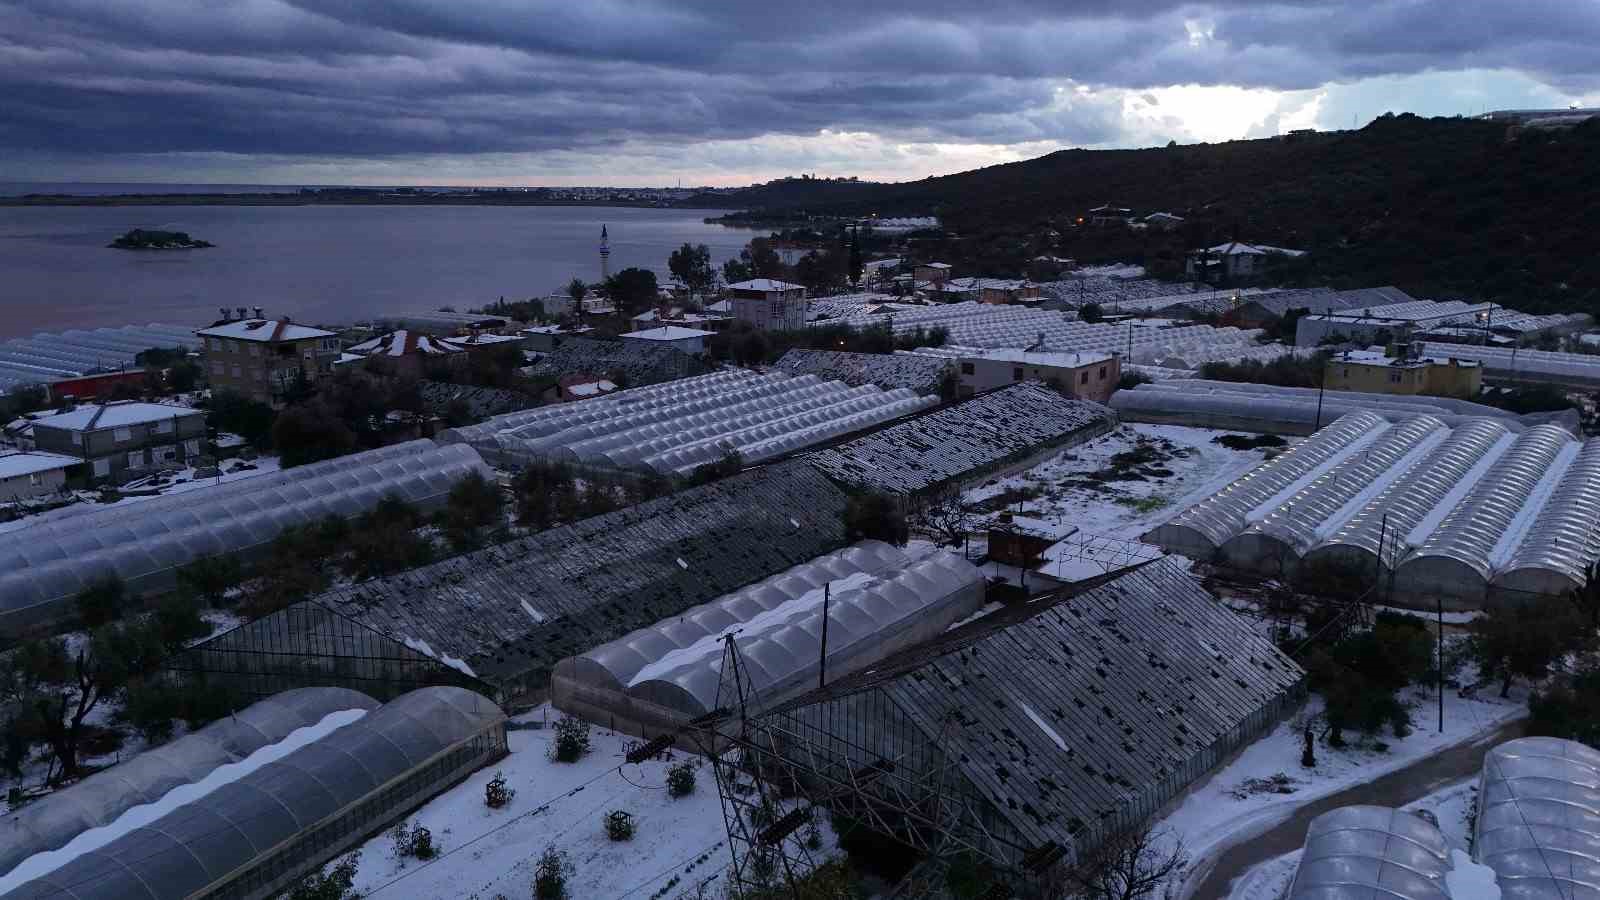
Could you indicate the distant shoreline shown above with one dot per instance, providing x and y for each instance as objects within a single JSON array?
[{"x": 340, "y": 199}]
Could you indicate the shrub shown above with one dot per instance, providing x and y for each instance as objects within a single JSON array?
[
  {"x": 415, "y": 842},
  {"x": 210, "y": 577},
  {"x": 496, "y": 794},
  {"x": 680, "y": 779},
  {"x": 334, "y": 884},
  {"x": 572, "y": 739},
  {"x": 102, "y": 601},
  {"x": 550, "y": 875},
  {"x": 619, "y": 825}
]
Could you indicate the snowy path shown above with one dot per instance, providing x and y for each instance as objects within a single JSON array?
[{"x": 1213, "y": 877}]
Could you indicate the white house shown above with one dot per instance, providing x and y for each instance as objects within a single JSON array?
[
  {"x": 769, "y": 304},
  {"x": 26, "y": 476},
  {"x": 689, "y": 340}
]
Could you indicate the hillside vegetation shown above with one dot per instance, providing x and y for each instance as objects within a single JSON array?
[{"x": 1439, "y": 207}]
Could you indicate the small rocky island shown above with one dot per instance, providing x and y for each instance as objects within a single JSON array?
[{"x": 144, "y": 239}]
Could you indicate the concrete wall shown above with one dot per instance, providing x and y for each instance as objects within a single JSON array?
[{"x": 37, "y": 484}]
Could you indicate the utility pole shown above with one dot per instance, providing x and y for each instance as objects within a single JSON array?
[
  {"x": 822, "y": 657},
  {"x": 1440, "y": 601},
  {"x": 1322, "y": 384}
]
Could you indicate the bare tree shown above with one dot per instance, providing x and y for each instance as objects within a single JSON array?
[
  {"x": 945, "y": 517},
  {"x": 1132, "y": 866}
]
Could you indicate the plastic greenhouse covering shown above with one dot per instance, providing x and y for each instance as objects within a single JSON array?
[
  {"x": 1368, "y": 852},
  {"x": 54, "y": 820},
  {"x": 49, "y": 356},
  {"x": 1556, "y": 366},
  {"x": 1456, "y": 512},
  {"x": 695, "y": 421},
  {"x": 1202, "y": 528},
  {"x": 146, "y": 542},
  {"x": 1538, "y": 821},
  {"x": 344, "y": 781},
  {"x": 881, "y": 600}
]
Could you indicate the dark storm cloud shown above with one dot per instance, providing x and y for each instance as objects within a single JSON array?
[{"x": 378, "y": 78}]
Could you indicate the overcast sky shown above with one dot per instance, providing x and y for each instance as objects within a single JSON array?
[{"x": 645, "y": 92}]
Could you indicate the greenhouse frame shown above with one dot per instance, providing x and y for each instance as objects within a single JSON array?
[
  {"x": 1005, "y": 430},
  {"x": 675, "y": 430},
  {"x": 1538, "y": 824},
  {"x": 880, "y": 600},
  {"x": 506, "y": 614},
  {"x": 52, "y": 821},
  {"x": 49, "y": 356},
  {"x": 1362, "y": 852},
  {"x": 251, "y": 838},
  {"x": 1031, "y": 741},
  {"x": 1427, "y": 511},
  {"x": 145, "y": 543}
]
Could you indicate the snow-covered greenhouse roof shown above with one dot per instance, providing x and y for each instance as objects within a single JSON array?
[
  {"x": 674, "y": 429},
  {"x": 145, "y": 542},
  {"x": 49, "y": 356},
  {"x": 880, "y": 600},
  {"x": 961, "y": 440},
  {"x": 54, "y": 820},
  {"x": 987, "y": 325},
  {"x": 1454, "y": 510},
  {"x": 1567, "y": 368},
  {"x": 202, "y": 844},
  {"x": 1086, "y": 717},
  {"x": 522, "y": 606},
  {"x": 1538, "y": 823},
  {"x": 1364, "y": 852},
  {"x": 639, "y": 362},
  {"x": 920, "y": 374}
]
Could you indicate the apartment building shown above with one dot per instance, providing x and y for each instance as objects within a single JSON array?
[
  {"x": 261, "y": 358},
  {"x": 120, "y": 440}
]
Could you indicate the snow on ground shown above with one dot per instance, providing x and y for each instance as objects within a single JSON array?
[
  {"x": 44, "y": 863},
  {"x": 488, "y": 852},
  {"x": 1182, "y": 465},
  {"x": 1220, "y": 812},
  {"x": 1449, "y": 806},
  {"x": 180, "y": 481}
]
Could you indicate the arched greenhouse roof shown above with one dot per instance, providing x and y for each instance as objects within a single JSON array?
[
  {"x": 203, "y": 842},
  {"x": 54, "y": 820},
  {"x": 1366, "y": 852},
  {"x": 1538, "y": 821},
  {"x": 145, "y": 543}
]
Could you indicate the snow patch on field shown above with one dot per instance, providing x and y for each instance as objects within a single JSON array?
[
  {"x": 423, "y": 647},
  {"x": 41, "y": 864}
]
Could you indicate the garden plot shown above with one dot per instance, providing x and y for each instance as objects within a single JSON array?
[
  {"x": 1126, "y": 482},
  {"x": 678, "y": 843}
]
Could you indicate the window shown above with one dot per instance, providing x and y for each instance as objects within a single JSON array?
[
  {"x": 77, "y": 438},
  {"x": 192, "y": 447},
  {"x": 164, "y": 426},
  {"x": 169, "y": 453},
  {"x": 136, "y": 459},
  {"x": 255, "y": 350},
  {"x": 102, "y": 468},
  {"x": 1102, "y": 373},
  {"x": 966, "y": 368},
  {"x": 35, "y": 479},
  {"x": 217, "y": 368},
  {"x": 121, "y": 434},
  {"x": 1016, "y": 373},
  {"x": 238, "y": 372},
  {"x": 1394, "y": 377},
  {"x": 1083, "y": 378}
]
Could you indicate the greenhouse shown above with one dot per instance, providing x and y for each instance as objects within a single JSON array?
[
  {"x": 1039, "y": 732},
  {"x": 879, "y": 600},
  {"x": 1363, "y": 852},
  {"x": 675, "y": 429},
  {"x": 55, "y": 819},
  {"x": 251, "y": 838},
  {"x": 145, "y": 543},
  {"x": 1526, "y": 364},
  {"x": 1004, "y": 430},
  {"x": 1538, "y": 824},
  {"x": 1454, "y": 513},
  {"x": 506, "y": 614},
  {"x": 50, "y": 356}
]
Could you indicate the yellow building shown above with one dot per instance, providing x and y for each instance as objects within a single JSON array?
[
  {"x": 1376, "y": 373},
  {"x": 262, "y": 358}
]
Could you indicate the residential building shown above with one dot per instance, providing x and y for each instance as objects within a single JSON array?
[
  {"x": 1233, "y": 261},
  {"x": 769, "y": 304},
  {"x": 1018, "y": 540},
  {"x": 1109, "y": 215},
  {"x": 683, "y": 318},
  {"x": 544, "y": 338},
  {"x": 580, "y": 387},
  {"x": 1374, "y": 372},
  {"x": 689, "y": 340},
  {"x": 485, "y": 342},
  {"x": 262, "y": 358},
  {"x": 30, "y": 476},
  {"x": 934, "y": 272},
  {"x": 409, "y": 354},
  {"x": 1163, "y": 221},
  {"x": 118, "y": 440},
  {"x": 1082, "y": 375}
]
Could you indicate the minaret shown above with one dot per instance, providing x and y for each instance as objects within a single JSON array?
[{"x": 605, "y": 254}]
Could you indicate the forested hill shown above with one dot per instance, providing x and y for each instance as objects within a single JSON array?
[{"x": 1441, "y": 207}]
